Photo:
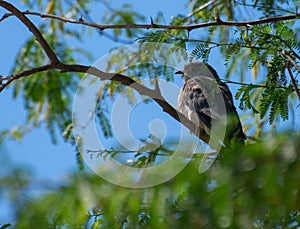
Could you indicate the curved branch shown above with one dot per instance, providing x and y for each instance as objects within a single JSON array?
[
  {"x": 5, "y": 81},
  {"x": 124, "y": 80},
  {"x": 142, "y": 90},
  {"x": 217, "y": 22},
  {"x": 39, "y": 37}
]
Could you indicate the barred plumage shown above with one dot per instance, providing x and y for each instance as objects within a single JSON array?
[{"x": 205, "y": 99}]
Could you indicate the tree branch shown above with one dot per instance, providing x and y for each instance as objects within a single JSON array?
[
  {"x": 142, "y": 90},
  {"x": 5, "y": 81},
  {"x": 124, "y": 80},
  {"x": 217, "y": 22}
]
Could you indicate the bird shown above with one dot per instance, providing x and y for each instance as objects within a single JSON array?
[{"x": 205, "y": 100}]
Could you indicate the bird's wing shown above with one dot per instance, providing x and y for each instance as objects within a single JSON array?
[
  {"x": 210, "y": 101},
  {"x": 193, "y": 98},
  {"x": 213, "y": 101},
  {"x": 235, "y": 129}
]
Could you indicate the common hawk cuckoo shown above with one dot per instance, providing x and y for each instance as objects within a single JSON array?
[{"x": 204, "y": 99}]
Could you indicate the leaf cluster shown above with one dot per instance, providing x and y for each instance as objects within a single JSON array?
[
  {"x": 245, "y": 190},
  {"x": 47, "y": 97},
  {"x": 124, "y": 15},
  {"x": 265, "y": 45}
]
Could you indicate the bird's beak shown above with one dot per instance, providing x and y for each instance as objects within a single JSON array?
[{"x": 179, "y": 72}]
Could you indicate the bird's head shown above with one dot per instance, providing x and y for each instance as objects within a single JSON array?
[{"x": 196, "y": 69}]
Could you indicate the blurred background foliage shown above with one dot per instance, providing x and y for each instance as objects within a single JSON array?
[{"x": 252, "y": 187}]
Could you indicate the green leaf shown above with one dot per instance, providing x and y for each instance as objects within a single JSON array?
[
  {"x": 79, "y": 160},
  {"x": 283, "y": 105},
  {"x": 17, "y": 133},
  {"x": 201, "y": 51},
  {"x": 265, "y": 103},
  {"x": 4, "y": 226},
  {"x": 245, "y": 97},
  {"x": 231, "y": 51},
  {"x": 104, "y": 124}
]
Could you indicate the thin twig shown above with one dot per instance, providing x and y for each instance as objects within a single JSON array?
[
  {"x": 86, "y": 16},
  {"x": 102, "y": 151},
  {"x": 217, "y": 22},
  {"x": 202, "y": 7},
  {"x": 263, "y": 7},
  {"x": 248, "y": 84},
  {"x": 294, "y": 82},
  {"x": 291, "y": 61}
]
